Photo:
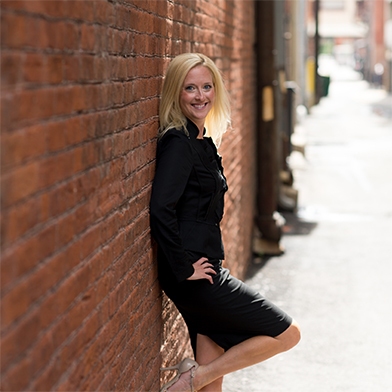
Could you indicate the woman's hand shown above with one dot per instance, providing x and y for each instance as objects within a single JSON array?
[{"x": 203, "y": 270}]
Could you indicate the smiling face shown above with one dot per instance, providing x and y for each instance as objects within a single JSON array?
[{"x": 197, "y": 95}]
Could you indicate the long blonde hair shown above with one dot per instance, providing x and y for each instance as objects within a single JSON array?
[{"x": 170, "y": 113}]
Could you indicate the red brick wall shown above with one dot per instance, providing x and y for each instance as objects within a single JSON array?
[
  {"x": 239, "y": 144},
  {"x": 81, "y": 308}
]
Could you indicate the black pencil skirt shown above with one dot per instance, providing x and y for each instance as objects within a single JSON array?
[{"x": 227, "y": 311}]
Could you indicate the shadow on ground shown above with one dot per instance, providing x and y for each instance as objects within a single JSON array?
[
  {"x": 293, "y": 226},
  {"x": 297, "y": 226}
]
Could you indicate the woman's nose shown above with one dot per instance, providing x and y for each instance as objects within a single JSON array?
[{"x": 199, "y": 93}]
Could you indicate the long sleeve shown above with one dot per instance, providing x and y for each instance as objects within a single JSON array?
[{"x": 174, "y": 165}]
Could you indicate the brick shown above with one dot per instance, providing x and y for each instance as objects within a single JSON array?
[
  {"x": 146, "y": 109},
  {"x": 77, "y": 10},
  {"x": 17, "y": 378},
  {"x": 91, "y": 241},
  {"x": 101, "y": 72},
  {"x": 116, "y": 246},
  {"x": 152, "y": 67},
  {"x": 29, "y": 106},
  {"x": 34, "y": 68},
  {"x": 20, "y": 183},
  {"x": 38, "y": 7},
  {"x": 61, "y": 198},
  {"x": 65, "y": 230},
  {"x": 140, "y": 43},
  {"x": 114, "y": 357},
  {"x": 17, "y": 260},
  {"x": 18, "y": 147},
  {"x": 43, "y": 351},
  {"x": 56, "y": 304},
  {"x": 87, "y": 38},
  {"x": 13, "y": 30},
  {"x": 17, "y": 340},
  {"x": 65, "y": 164},
  {"x": 18, "y": 220},
  {"x": 104, "y": 12},
  {"x": 57, "y": 34},
  {"x": 118, "y": 68},
  {"x": 123, "y": 16},
  {"x": 67, "y": 100},
  {"x": 86, "y": 67},
  {"x": 131, "y": 69},
  {"x": 120, "y": 42},
  {"x": 70, "y": 39},
  {"x": 102, "y": 288},
  {"x": 54, "y": 69},
  {"x": 71, "y": 68},
  {"x": 79, "y": 370},
  {"x": 13, "y": 4},
  {"x": 10, "y": 68},
  {"x": 12, "y": 311},
  {"x": 94, "y": 97},
  {"x": 56, "y": 137},
  {"x": 78, "y": 96}
]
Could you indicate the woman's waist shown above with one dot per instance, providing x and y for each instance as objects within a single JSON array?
[
  {"x": 197, "y": 255},
  {"x": 198, "y": 222},
  {"x": 216, "y": 264}
]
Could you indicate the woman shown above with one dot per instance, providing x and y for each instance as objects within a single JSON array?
[{"x": 230, "y": 325}]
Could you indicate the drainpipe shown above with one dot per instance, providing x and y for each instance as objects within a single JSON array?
[
  {"x": 317, "y": 80},
  {"x": 267, "y": 219}
]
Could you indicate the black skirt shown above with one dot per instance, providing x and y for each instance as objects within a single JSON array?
[{"x": 227, "y": 311}]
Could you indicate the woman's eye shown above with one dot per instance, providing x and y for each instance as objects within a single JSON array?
[
  {"x": 208, "y": 87},
  {"x": 189, "y": 88}
]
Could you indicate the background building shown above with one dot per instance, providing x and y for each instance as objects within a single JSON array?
[{"x": 355, "y": 33}]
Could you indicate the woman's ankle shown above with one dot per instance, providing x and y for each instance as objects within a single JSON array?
[{"x": 200, "y": 379}]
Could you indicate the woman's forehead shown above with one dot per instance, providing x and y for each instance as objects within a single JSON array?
[{"x": 198, "y": 73}]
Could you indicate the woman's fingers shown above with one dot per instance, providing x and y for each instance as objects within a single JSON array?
[
  {"x": 203, "y": 270},
  {"x": 201, "y": 261}
]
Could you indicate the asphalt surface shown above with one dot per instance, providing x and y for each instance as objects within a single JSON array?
[{"x": 335, "y": 277}]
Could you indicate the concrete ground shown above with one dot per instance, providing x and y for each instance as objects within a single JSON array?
[{"x": 335, "y": 277}]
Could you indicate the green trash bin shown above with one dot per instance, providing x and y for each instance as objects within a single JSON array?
[{"x": 324, "y": 85}]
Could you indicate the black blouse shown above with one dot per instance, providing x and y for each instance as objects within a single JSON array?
[{"x": 187, "y": 200}]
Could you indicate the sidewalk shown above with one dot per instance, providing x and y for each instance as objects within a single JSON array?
[
  {"x": 384, "y": 106},
  {"x": 336, "y": 275}
]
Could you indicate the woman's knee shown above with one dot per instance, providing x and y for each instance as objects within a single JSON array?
[{"x": 291, "y": 336}]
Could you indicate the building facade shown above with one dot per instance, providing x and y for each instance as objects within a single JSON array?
[{"x": 80, "y": 84}]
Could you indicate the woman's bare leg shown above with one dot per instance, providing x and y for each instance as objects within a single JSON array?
[
  {"x": 208, "y": 351},
  {"x": 247, "y": 353}
]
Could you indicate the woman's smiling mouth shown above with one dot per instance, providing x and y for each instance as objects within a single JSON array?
[{"x": 199, "y": 106}]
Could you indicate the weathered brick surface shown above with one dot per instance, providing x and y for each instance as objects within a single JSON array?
[{"x": 81, "y": 308}]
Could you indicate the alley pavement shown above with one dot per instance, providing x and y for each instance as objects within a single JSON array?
[{"x": 335, "y": 277}]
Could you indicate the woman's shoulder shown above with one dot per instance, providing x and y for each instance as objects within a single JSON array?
[
  {"x": 173, "y": 136},
  {"x": 211, "y": 142},
  {"x": 176, "y": 132},
  {"x": 175, "y": 141}
]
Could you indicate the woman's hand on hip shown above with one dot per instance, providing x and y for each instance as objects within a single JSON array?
[{"x": 203, "y": 270}]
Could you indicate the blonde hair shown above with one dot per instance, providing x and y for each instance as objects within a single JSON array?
[{"x": 170, "y": 113}]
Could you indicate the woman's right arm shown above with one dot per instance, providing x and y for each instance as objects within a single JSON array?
[{"x": 174, "y": 165}]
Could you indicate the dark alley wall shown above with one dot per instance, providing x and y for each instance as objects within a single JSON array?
[{"x": 81, "y": 307}]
